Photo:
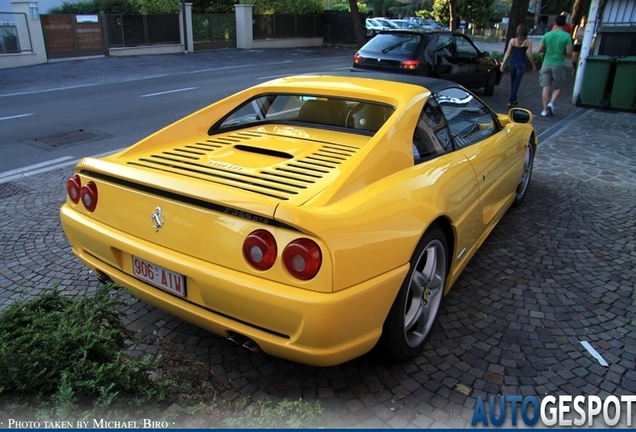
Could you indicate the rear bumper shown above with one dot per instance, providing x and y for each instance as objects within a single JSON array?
[{"x": 320, "y": 329}]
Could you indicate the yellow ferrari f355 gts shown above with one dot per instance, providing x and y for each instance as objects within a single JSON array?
[{"x": 315, "y": 217}]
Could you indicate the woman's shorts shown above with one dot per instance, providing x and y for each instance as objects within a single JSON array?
[{"x": 577, "y": 47}]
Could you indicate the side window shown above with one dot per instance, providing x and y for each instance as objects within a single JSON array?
[
  {"x": 465, "y": 48},
  {"x": 432, "y": 136},
  {"x": 469, "y": 120},
  {"x": 445, "y": 49}
]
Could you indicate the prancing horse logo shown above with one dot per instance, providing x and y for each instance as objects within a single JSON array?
[{"x": 157, "y": 219}]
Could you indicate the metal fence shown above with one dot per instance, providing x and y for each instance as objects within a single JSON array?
[
  {"x": 489, "y": 35},
  {"x": 140, "y": 30},
  {"x": 213, "y": 31},
  {"x": 287, "y": 26},
  {"x": 14, "y": 33}
]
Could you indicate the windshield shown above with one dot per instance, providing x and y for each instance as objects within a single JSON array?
[
  {"x": 315, "y": 110},
  {"x": 403, "y": 43}
]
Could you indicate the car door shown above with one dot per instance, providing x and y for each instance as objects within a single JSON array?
[
  {"x": 469, "y": 64},
  {"x": 493, "y": 153},
  {"x": 446, "y": 63},
  {"x": 431, "y": 140}
]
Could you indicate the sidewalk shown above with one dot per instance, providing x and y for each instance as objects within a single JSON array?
[{"x": 84, "y": 71}]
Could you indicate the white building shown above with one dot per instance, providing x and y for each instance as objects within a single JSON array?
[{"x": 44, "y": 5}]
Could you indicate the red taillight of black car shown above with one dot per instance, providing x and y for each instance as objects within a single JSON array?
[
  {"x": 357, "y": 59},
  {"x": 410, "y": 64},
  {"x": 301, "y": 258}
]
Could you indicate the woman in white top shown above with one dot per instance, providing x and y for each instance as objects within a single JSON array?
[{"x": 579, "y": 31}]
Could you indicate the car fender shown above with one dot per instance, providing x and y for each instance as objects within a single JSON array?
[{"x": 376, "y": 229}]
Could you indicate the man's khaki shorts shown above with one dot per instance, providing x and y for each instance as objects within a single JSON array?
[{"x": 552, "y": 76}]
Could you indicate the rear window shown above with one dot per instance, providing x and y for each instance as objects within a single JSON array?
[
  {"x": 316, "y": 110},
  {"x": 395, "y": 43}
]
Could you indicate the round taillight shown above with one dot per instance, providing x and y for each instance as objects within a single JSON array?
[
  {"x": 302, "y": 258},
  {"x": 259, "y": 249},
  {"x": 357, "y": 59},
  {"x": 88, "y": 195},
  {"x": 73, "y": 186}
]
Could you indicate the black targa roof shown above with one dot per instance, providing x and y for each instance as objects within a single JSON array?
[{"x": 429, "y": 83}]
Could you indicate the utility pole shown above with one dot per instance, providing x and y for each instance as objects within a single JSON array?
[{"x": 590, "y": 27}]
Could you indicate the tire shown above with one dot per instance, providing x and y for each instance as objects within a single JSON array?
[
  {"x": 489, "y": 90},
  {"x": 524, "y": 180},
  {"x": 415, "y": 308}
]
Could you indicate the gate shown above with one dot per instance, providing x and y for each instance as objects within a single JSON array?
[
  {"x": 211, "y": 31},
  {"x": 72, "y": 35}
]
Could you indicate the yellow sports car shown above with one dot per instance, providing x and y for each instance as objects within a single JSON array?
[{"x": 314, "y": 217}]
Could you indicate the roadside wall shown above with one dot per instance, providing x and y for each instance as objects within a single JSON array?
[
  {"x": 31, "y": 32},
  {"x": 244, "y": 37}
]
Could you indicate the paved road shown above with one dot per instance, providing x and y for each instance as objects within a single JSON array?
[{"x": 556, "y": 271}]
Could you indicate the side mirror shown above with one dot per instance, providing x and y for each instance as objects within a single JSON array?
[
  {"x": 520, "y": 115},
  {"x": 485, "y": 54}
]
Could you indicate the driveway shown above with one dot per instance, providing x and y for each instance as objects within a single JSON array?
[{"x": 558, "y": 270}]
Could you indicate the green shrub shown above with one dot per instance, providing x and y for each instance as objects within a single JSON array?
[
  {"x": 64, "y": 358},
  {"x": 57, "y": 348}
]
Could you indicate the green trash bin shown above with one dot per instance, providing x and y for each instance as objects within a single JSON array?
[
  {"x": 595, "y": 81},
  {"x": 624, "y": 88}
]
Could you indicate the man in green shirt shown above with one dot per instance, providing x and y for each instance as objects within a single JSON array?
[{"x": 556, "y": 45}]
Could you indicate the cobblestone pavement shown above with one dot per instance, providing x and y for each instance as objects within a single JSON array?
[{"x": 558, "y": 270}]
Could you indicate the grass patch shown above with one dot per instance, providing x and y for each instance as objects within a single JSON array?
[
  {"x": 66, "y": 358},
  {"x": 284, "y": 415}
]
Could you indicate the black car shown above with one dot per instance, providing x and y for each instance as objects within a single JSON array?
[{"x": 440, "y": 54}]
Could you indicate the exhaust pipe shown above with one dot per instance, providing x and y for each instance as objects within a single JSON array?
[
  {"x": 103, "y": 278},
  {"x": 245, "y": 342}
]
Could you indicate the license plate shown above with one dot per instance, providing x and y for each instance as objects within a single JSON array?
[{"x": 159, "y": 276}]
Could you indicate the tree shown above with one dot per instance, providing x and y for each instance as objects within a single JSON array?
[
  {"x": 381, "y": 7},
  {"x": 499, "y": 10},
  {"x": 289, "y": 7},
  {"x": 449, "y": 11},
  {"x": 518, "y": 13},
  {"x": 343, "y": 6},
  {"x": 454, "y": 12},
  {"x": 476, "y": 12},
  {"x": 357, "y": 24},
  {"x": 441, "y": 11},
  {"x": 147, "y": 7},
  {"x": 212, "y": 7},
  {"x": 580, "y": 8},
  {"x": 555, "y": 7}
]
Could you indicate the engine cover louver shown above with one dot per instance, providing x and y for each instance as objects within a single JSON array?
[{"x": 273, "y": 165}]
